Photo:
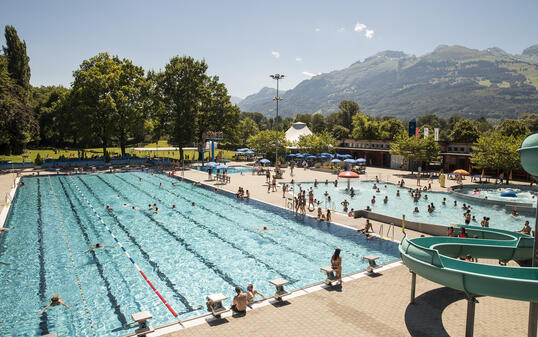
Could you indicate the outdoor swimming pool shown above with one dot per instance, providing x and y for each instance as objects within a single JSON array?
[
  {"x": 187, "y": 252},
  {"x": 396, "y": 206},
  {"x": 231, "y": 169}
]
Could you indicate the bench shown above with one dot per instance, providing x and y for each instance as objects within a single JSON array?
[
  {"x": 215, "y": 306},
  {"x": 371, "y": 261},
  {"x": 330, "y": 276},
  {"x": 279, "y": 285},
  {"x": 141, "y": 318}
]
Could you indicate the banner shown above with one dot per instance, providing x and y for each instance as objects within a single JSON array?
[
  {"x": 426, "y": 132},
  {"x": 436, "y": 134},
  {"x": 412, "y": 127}
]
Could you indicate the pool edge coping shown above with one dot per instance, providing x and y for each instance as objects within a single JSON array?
[{"x": 5, "y": 211}]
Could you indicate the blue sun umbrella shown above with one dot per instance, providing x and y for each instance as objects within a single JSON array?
[
  {"x": 265, "y": 161},
  {"x": 222, "y": 167},
  {"x": 349, "y": 161},
  {"x": 335, "y": 161},
  {"x": 311, "y": 157},
  {"x": 361, "y": 160}
]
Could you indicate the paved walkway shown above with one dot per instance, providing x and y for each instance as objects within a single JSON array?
[{"x": 377, "y": 306}]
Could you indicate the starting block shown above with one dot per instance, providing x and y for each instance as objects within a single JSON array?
[
  {"x": 215, "y": 306},
  {"x": 279, "y": 285},
  {"x": 331, "y": 276},
  {"x": 371, "y": 260}
]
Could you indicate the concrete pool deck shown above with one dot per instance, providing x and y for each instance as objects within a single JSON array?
[{"x": 367, "y": 306}]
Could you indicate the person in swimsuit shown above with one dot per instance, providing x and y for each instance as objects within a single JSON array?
[
  {"x": 239, "y": 303},
  {"x": 336, "y": 264},
  {"x": 54, "y": 301},
  {"x": 251, "y": 293},
  {"x": 97, "y": 245}
]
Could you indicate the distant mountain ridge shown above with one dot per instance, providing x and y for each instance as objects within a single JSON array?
[{"x": 449, "y": 80}]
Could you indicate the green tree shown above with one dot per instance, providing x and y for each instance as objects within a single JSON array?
[
  {"x": 17, "y": 123},
  {"x": 364, "y": 127},
  {"x": 247, "y": 128},
  {"x": 18, "y": 62},
  {"x": 465, "y": 131},
  {"x": 512, "y": 127},
  {"x": 318, "y": 123},
  {"x": 264, "y": 143},
  {"x": 318, "y": 142},
  {"x": 305, "y": 118},
  {"x": 498, "y": 151},
  {"x": 340, "y": 132},
  {"x": 348, "y": 109},
  {"x": 108, "y": 99},
  {"x": 420, "y": 150},
  {"x": 530, "y": 120},
  {"x": 333, "y": 119},
  {"x": 217, "y": 113},
  {"x": 389, "y": 128},
  {"x": 183, "y": 89}
]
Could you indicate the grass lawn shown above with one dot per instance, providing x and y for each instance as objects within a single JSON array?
[{"x": 30, "y": 155}]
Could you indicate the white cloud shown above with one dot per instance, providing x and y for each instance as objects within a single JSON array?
[
  {"x": 341, "y": 30},
  {"x": 359, "y": 27},
  {"x": 369, "y": 33},
  {"x": 317, "y": 29},
  {"x": 275, "y": 54},
  {"x": 299, "y": 59},
  {"x": 309, "y": 74}
]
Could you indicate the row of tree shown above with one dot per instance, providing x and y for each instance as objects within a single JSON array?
[{"x": 111, "y": 101}]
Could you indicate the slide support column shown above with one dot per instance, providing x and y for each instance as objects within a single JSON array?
[
  {"x": 469, "y": 325},
  {"x": 413, "y": 286}
]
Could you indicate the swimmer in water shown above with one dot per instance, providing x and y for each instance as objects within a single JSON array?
[
  {"x": 97, "y": 245},
  {"x": 108, "y": 208},
  {"x": 193, "y": 204},
  {"x": 263, "y": 229},
  {"x": 54, "y": 301},
  {"x": 156, "y": 210},
  {"x": 134, "y": 208},
  {"x": 173, "y": 206}
]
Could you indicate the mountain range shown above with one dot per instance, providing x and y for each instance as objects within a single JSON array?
[{"x": 450, "y": 80}]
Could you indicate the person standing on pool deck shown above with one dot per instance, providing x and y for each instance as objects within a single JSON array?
[
  {"x": 336, "y": 264},
  {"x": 239, "y": 303}
]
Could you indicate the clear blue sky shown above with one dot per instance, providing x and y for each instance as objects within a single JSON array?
[{"x": 245, "y": 41}]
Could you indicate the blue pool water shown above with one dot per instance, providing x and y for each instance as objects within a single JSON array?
[
  {"x": 397, "y": 206},
  {"x": 231, "y": 169},
  {"x": 523, "y": 195},
  {"x": 187, "y": 252}
]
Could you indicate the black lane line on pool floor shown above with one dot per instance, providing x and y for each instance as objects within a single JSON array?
[
  {"x": 113, "y": 301},
  {"x": 247, "y": 229},
  {"x": 43, "y": 320},
  {"x": 146, "y": 256},
  {"x": 227, "y": 278},
  {"x": 312, "y": 238},
  {"x": 290, "y": 279}
]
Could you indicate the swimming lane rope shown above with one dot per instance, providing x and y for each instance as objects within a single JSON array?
[
  {"x": 81, "y": 291},
  {"x": 124, "y": 250}
]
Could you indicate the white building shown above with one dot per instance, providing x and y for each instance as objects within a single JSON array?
[{"x": 297, "y": 130}]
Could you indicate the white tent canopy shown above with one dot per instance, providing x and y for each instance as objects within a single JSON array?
[{"x": 297, "y": 130}]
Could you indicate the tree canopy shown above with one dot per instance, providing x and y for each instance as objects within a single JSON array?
[
  {"x": 318, "y": 143},
  {"x": 415, "y": 149}
]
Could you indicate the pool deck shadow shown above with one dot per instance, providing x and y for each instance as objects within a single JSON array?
[{"x": 424, "y": 318}]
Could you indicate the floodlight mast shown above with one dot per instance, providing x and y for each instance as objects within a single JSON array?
[{"x": 276, "y": 77}]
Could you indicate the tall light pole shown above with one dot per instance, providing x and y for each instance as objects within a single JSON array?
[{"x": 277, "y": 98}]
